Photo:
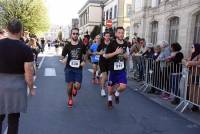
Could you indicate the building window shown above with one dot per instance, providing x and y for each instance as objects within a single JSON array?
[
  {"x": 138, "y": 5},
  {"x": 115, "y": 12},
  {"x": 154, "y": 32},
  {"x": 110, "y": 13},
  {"x": 128, "y": 12},
  {"x": 127, "y": 31},
  {"x": 104, "y": 15},
  {"x": 107, "y": 15},
  {"x": 197, "y": 29},
  {"x": 155, "y": 3},
  {"x": 86, "y": 19},
  {"x": 173, "y": 29},
  {"x": 159, "y": 1}
]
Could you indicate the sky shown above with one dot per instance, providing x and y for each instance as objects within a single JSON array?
[{"x": 61, "y": 12}]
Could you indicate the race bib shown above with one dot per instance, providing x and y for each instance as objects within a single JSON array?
[
  {"x": 74, "y": 63},
  {"x": 97, "y": 57},
  {"x": 118, "y": 65}
]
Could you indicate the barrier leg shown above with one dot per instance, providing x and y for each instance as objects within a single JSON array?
[
  {"x": 181, "y": 103},
  {"x": 185, "y": 107}
]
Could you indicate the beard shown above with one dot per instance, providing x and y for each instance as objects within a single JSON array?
[
  {"x": 75, "y": 39},
  {"x": 120, "y": 38}
]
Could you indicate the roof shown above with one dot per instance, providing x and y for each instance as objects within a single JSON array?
[{"x": 92, "y": 1}]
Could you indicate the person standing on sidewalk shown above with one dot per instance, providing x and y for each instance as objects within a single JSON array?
[
  {"x": 2, "y": 34},
  {"x": 42, "y": 44},
  {"x": 75, "y": 52},
  {"x": 117, "y": 55},
  {"x": 16, "y": 72}
]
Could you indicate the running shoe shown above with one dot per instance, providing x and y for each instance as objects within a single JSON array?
[
  {"x": 34, "y": 86},
  {"x": 110, "y": 104},
  {"x": 103, "y": 93},
  {"x": 70, "y": 103},
  {"x": 117, "y": 99}
]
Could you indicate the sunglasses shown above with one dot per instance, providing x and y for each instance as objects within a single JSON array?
[{"x": 75, "y": 33}]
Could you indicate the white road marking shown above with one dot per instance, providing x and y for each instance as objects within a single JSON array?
[
  {"x": 6, "y": 130},
  {"x": 90, "y": 70},
  {"x": 41, "y": 62},
  {"x": 50, "y": 72}
]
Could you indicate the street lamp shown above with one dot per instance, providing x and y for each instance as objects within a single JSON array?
[{"x": 102, "y": 19}]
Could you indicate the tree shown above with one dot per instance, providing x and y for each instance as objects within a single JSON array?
[
  {"x": 32, "y": 13},
  {"x": 95, "y": 31}
]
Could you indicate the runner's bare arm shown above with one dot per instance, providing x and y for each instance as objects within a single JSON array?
[
  {"x": 28, "y": 67},
  {"x": 126, "y": 56},
  {"x": 101, "y": 52},
  {"x": 110, "y": 55},
  {"x": 84, "y": 60}
]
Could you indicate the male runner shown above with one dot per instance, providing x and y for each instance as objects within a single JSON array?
[
  {"x": 75, "y": 61},
  {"x": 117, "y": 55}
]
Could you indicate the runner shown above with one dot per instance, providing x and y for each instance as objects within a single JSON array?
[
  {"x": 75, "y": 61},
  {"x": 117, "y": 55},
  {"x": 95, "y": 59},
  {"x": 103, "y": 63}
]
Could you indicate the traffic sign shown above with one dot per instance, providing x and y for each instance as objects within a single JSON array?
[{"x": 109, "y": 23}]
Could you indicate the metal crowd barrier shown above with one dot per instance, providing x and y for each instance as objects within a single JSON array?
[
  {"x": 176, "y": 80},
  {"x": 135, "y": 65}
]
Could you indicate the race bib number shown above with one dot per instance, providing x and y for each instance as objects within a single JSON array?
[
  {"x": 97, "y": 57},
  {"x": 118, "y": 65},
  {"x": 74, "y": 63}
]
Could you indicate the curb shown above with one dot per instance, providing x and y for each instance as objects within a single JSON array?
[{"x": 166, "y": 107}]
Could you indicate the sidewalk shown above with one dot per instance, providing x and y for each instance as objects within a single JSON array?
[{"x": 187, "y": 114}]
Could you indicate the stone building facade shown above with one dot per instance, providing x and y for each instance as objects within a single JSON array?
[{"x": 170, "y": 20}]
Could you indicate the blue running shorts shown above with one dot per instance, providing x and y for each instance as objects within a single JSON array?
[
  {"x": 73, "y": 75},
  {"x": 117, "y": 77}
]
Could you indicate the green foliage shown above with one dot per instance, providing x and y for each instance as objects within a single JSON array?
[
  {"x": 32, "y": 13},
  {"x": 95, "y": 31}
]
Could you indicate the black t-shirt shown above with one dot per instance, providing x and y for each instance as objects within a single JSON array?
[
  {"x": 75, "y": 54},
  {"x": 42, "y": 41},
  {"x": 117, "y": 62},
  {"x": 175, "y": 66},
  {"x": 102, "y": 47},
  {"x": 13, "y": 55}
]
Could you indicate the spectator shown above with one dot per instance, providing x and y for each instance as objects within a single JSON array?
[
  {"x": 165, "y": 53},
  {"x": 33, "y": 45},
  {"x": 156, "y": 71},
  {"x": 193, "y": 63},
  {"x": 175, "y": 69},
  {"x": 134, "y": 50},
  {"x": 142, "y": 45},
  {"x": 157, "y": 51},
  {"x": 2, "y": 34},
  {"x": 26, "y": 36},
  {"x": 15, "y": 67},
  {"x": 141, "y": 60},
  {"x": 149, "y": 52},
  {"x": 43, "y": 44}
]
